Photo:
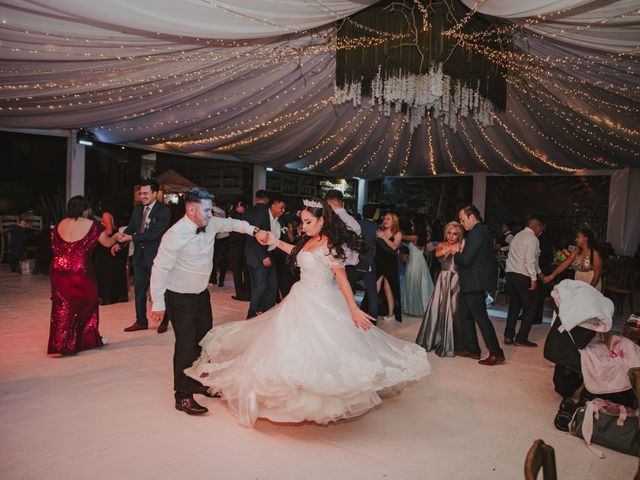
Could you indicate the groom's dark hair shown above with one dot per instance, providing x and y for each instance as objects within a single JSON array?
[{"x": 197, "y": 195}]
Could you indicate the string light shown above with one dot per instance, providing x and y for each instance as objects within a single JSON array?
[
  {"x": 405, "y": 162},
  {"x": 556, "y": 142},
  {"x": 357, "y": 146},
  {"x": 430, "y": 155},
  {"x": 534, "y": 153},
  {"x": 514, "y": 165},
  {"x": 397, "y": 120},
  {"x": 473, "y": 147},
  {"x": 443, "y": 135},
  {"x": 342, "y": 139}
]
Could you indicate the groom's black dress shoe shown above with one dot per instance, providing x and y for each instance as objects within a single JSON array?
[
  {"x": 492, "y": 360},
  {"x": 162, "y": 328},
  {"x": 135, "y": 327},
  {"x": 190, "y": 406},
  {"x": 525, "y": 343},
  {"x": 202, "y": 390}
]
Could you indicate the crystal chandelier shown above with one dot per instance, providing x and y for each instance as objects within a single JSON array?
[{"x": 417, "y": 95}]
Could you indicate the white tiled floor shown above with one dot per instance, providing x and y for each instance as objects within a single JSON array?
[{"x": 109, "y": 413}]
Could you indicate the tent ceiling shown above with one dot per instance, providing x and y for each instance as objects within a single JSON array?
[{"x": 250, "y": 79}]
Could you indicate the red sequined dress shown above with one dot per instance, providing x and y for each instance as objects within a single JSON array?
[{"x": 74, "y": 294}]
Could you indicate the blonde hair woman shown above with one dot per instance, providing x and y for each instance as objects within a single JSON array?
[
  {"x": 389, "y": 239},
  {"x": 441, "y": 330}
]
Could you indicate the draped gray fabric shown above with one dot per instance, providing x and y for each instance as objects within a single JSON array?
[{"x": 256, "y": 80}]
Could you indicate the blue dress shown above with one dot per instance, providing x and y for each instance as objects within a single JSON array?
[{"x": 418, "y": 286}]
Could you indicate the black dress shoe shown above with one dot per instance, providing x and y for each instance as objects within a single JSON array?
[
  {"x": 525, "y": 343},
  {"x": 162, "y": 328},
  {"x": 508, "y": 340},
  {"x": 202, "y": 390},
  {"x": 492, "y": 360},
  {"x": 190, "y": 406},
  {"x": 240, "y": 299},
  {"x": 135, "y": 327},
  {"x": 465, "y": 354}
]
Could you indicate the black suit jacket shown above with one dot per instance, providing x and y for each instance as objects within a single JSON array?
[
  {"x": 477, "y": 266},
  {"x": 146, "y": 243},
  {"x": 368, "y": 231},
  {"x": 258, "y": 216}
]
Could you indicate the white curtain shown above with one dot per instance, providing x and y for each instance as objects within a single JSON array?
[
  {"x": 608, "y": 25},
  {"x": 201, "y": 19},
  {"x": 224, "y": 77}
]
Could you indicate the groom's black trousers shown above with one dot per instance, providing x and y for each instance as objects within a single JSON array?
[{"x": 191, "y": 318}]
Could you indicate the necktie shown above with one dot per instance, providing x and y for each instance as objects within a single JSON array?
[
  {"x": 200, "y": 229},
  {"x": 145, "y": 218}
]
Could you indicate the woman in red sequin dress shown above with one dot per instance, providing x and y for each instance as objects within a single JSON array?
[{"x": 74, "y": 293}]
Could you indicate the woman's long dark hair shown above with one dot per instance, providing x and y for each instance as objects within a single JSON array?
[{"x": 336, "y": 231}]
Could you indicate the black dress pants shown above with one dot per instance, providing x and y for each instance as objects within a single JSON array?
[
  {"x": 191, "y": 318},
  {"x": 141, "y": 277},
  {"x": 520, "y": 299},
  {"x": 240, "y": 270},
  {"x": 473, "y": 310},
  {"x": 264, "y": 289}
]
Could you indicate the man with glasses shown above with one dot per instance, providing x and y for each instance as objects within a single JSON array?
[{"x": 477, "y": 269}]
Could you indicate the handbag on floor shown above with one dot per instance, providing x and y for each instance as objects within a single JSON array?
[{"x": 608, "y": 424}]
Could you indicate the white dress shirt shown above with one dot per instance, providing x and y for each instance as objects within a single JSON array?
[
  {"x": 524, "y": 252},
  {"x": 185, "y": 258},
  {"x": 276, "y": 230},
  {"x": 351, "y": 256}
]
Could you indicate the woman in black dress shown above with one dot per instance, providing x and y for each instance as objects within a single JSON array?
[
  {"x": 111, "y": 272},
  {"x": 389, "y": 238}
]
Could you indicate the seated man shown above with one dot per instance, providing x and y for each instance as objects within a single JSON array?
[{"x": 20, "y": 233}]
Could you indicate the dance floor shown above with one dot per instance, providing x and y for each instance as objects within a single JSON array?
[{"x": 108, "y": 413}]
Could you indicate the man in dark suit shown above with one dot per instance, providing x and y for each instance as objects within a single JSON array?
[
  {"x": 262, "y": 269},
  {"x": 149, "y": 220},
  {"x": 477, "y": 269},
  {"x": 365, "y": 270}
]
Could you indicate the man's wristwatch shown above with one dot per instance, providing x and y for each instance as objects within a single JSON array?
[{"x": 255, "y": 230}]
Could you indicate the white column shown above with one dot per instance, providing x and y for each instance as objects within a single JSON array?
[
  {"x": 363, "y": 191},
  {"x": 259, "y": 179},
  {"x": 618, "y": 202},
  {"x": 479, "y": 195},
  {"x": 75, "y": 166}
]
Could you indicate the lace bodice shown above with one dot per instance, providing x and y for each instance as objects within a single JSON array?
[{"x": 315, "y": 267}]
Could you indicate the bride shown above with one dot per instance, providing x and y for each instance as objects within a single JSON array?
[{"x": 315, "y": 356}]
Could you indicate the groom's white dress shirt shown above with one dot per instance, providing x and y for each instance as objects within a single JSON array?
[{"x": 185, "y": 258}]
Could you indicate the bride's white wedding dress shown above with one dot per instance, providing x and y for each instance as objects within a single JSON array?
[{"x": 304, "y": 360}]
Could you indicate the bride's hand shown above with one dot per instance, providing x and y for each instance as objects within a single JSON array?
[{"x": 361, "y": 319}]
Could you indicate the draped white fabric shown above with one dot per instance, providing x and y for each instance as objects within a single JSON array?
[
  {"x": 612, "y": 25},
  {"x": 205, "y": 77},
  {"x": 202, "y": 19}
]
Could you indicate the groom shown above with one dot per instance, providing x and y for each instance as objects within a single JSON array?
[
  {"x": 477, "y": 270},
  {"x": 179, "y": 280}
]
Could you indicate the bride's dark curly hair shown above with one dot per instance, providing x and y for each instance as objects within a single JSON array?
[{"x": 338, "y": 234}]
